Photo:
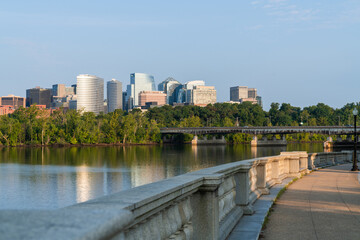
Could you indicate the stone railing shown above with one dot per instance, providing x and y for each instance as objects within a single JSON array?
[{"x": 205, "y": 204}]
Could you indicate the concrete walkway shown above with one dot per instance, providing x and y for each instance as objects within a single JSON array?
[{"x": 322, "y": 205}]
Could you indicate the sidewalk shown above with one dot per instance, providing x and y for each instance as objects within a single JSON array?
[{"x": 322, "y": 205}]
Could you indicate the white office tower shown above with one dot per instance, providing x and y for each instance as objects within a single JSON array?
[
  {"x": 138, "y": 82},
  {"x": 185, "y": 92},
  {"x": 114, "y": 95},
  {"x": 90, "y": 93}
]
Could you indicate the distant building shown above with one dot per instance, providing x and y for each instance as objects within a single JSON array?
[
  {"x": 73, "y": 104},
  {"x": 69, "y": 91},
  {"x": 74, "y": 86},
  {"x": 124, "y": 97},
  {"x": 6, "y": 109},
  {"x": 236, "y": 93},
  {"x": 184, "y": 92},
  {"x": 152, "y": 96},
  {"x": 90, "y": 93},
  {"x": 259, "y": 101},
  {"x": 39, "y": 96},
  {"x": 138, "y": 82},
  {"x": 13, "y": 101},
  {"x": 114, "y": 95},
  {"x": 245, "y": 94},
  {"x": 63, "y": 101},
  {"x": 252, "y": 93},
  {"x": 202, "y": 95},
  {"x": 58, "y": 90},
  {"x": 171, "y": 87},
  {"x": 252, "y": 100}
]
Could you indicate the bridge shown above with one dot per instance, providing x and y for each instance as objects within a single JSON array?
[
  {"x": 212, "y": 203},
  {"x": 255, "y": 131},
  {"x": 326, "y": 130}
]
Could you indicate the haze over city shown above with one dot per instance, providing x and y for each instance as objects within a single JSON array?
[{"x": 300, "y": 52}]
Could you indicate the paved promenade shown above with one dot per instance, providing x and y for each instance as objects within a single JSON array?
[{"x": 322, "y": 205}]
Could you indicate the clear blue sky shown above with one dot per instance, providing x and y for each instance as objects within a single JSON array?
[{"x": 296, "y": 51}]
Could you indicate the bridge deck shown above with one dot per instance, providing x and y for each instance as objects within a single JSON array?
[
  {"x": 322, "y": 205},
  {"x": 327, "y": 130}
]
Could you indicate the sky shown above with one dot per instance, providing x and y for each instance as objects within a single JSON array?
[{"x": 300, "y": 52}]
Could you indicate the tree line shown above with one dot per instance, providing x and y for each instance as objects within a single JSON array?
[{"x": 33, "y": 126}]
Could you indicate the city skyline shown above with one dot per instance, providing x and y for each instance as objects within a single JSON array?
[{"x": 291, "y": 51}]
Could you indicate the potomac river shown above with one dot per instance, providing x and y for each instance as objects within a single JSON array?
[{"x": 50, "y": 178}]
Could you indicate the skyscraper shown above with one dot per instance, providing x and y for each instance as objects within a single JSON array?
[
  {"x": 183, "y": 94},
  {"x": 138, "y": 82},
  {"x": 202, "y": 95},
  {"x": 236, "y": 93},
  {"x": 114, "y": 95},
  {"x": 90, "y": 93},
  {"x": 39, "y": 96},
  {"x": 58, "y": 90},
  {"x": 171, "y": 87},
  {"x": 252, "y": 92}
]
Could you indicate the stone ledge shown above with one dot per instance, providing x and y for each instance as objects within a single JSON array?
[{"x": 63, "y": 223}]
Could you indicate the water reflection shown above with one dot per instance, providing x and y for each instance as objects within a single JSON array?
[{"x": 49, "y": 178}]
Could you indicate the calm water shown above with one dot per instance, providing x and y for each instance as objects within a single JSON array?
[{"x": 50, "y": 178}]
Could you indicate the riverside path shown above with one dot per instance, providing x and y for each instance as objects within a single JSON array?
[{"x": 322, "y": 205}]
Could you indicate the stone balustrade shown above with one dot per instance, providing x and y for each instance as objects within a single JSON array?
[{"x": 205, "y": 204}]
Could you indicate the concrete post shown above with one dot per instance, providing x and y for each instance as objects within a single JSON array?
[
  {"x": 294, "y": 166},
  {"x": 304, "y": 162},
  {"x": 206, "y": 209},
  {"x": 275, "y": 171},
  {"x": 261, "y": 177},
  {"x": 242, "y": 179}
]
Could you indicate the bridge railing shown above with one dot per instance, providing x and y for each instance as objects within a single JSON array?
[{"x": 205, "y": 204}]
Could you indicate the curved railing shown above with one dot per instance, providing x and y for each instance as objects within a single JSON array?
[{"x": 205, "y": 204}]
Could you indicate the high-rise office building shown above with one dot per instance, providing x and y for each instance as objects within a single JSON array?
[
  {"x": 171, "y": 87},
  {"x": 124, "y": 97},
  {"x": 90, "y": 93},
  {"x": 202, "y": 95},
  {"x": 245, "y": 94},
  {"x": 138, "y": 82},
  {"x": 74, "y": 86},
  {"x": 236, "y": 93},
  {"x": 58, "y": 90},
  {"x": 183, "y": 94},
  {"x": 39, "y": 96},
  {"x": 114, "y": 95},
  {"x": 13, "y": 101},
  {"x": 252, "y": 92}
]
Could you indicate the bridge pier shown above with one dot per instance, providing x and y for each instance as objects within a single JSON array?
[
  {"x": 168, "y": 140},
  {"x": 214, "y": 140},
  {"x": 328, "y": 144},
  {"x": 268, "y": 142}
]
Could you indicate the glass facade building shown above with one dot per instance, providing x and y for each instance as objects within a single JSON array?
[
  {"x": 138, "y": 82},
  {"x": 171, "y": 87},
  {"x": 90, "y": 93},
  {"x": 183, "y": 95},
  {"x": 114, "y": 95}
]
